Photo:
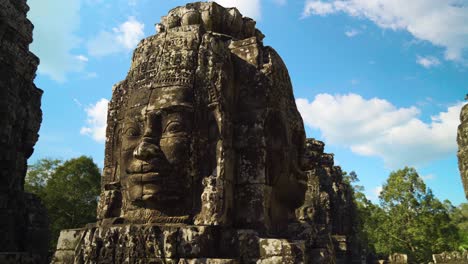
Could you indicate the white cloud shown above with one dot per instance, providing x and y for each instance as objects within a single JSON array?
[
  {"x": 375, "y": 127},
  {"x": 428, "y": 61},
  {"x": 442, "y": 23},
  {"x": 377, "y": 190},
  {"x": 96, "y": 121},
  {"x": 374, "y": 193},
  {"x": 77, "y": 102},
  {"x": 249, "y": 8},
  {"x": 55, "y": 25},
  {"x": 91, "y": 75},
  {"x": 374, "y": 196},
  {"x": 123, "y": 38},
  {"x": 317, "y": 8},
  {"x": 428, "y": 177},
  {"x": 352, "y": 33},
  {"x": 82, "y": 58}
]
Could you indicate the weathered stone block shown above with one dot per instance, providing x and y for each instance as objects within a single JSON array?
[
  {"x": 270, "y": 247},
  {"x": 69, "y": 239},
  {"x": 451, "y": 257},
  {"x": 254, "y": 201},
  {"x": 197, "y": 241},
  {"x": 64, "y": 256},
  {"x": 208, "y": 261},
  {"x": 288, "y": 251},
  {"x": 398, "y": 258}
]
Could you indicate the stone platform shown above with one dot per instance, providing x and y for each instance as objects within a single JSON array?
[{"x": 174, "y": 244}]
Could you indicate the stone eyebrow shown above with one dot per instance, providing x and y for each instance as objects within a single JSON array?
[
  {"x": 178, "y": 107},
  {"x": 172, "y": 108}
]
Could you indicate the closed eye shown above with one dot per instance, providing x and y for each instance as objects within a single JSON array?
[
  {"x": 132, "y": 132},
  {"x": 174, "y": 127}
]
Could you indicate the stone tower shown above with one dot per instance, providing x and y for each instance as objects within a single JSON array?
[
  {"x": 462, "y": 140},
  {"x": 206, "y": 159},
  {"x": 23, "y": 220}
]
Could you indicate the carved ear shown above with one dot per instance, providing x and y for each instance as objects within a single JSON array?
[
  {"x": 213, "y": 138},
  {"x": 275, "y": 134},
  {"x": 213, "y": 128}
]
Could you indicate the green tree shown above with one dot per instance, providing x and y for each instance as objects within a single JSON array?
[
  {"x": 459, "y": 216},
  {"x": 409, "y": 219},
  {"x": 350, "y": 178},
  {"x": 39, "y": 174},
  {"x": 414, "y": 221},
  {"x": 69, "y": 191},
  {"x": 368, "y": 217}
]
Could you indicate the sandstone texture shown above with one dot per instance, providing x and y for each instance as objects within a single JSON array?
[
  {"x": 451, "y": 257},
  {"x": 206, "y": 159},
  {"x": 23, "y": 219},
  {"x": 462, "y": 140},
  {"x": 398, "y": 258}
]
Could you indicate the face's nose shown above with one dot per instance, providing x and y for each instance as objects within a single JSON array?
[
  {"x": 146, "y": 151},
  {"x": 148, "y": 148}
]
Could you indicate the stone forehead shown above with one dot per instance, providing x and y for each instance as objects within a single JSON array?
[{"x": 159, "y": 98}]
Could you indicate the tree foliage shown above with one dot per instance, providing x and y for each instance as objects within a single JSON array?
[
  {"x": 459, "y": 217},
  {"x": 39, "y": 174},
  {"x": 409, "y": 219},
  {"x": 69, "y": 191}
]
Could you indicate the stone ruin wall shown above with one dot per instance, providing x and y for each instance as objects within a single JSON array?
[
  {"x": 23, "y": 220},
  {"x": 328, "y": 207},
  {"x": 462, "y": 140}
]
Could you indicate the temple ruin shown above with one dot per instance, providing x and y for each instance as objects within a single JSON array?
[
  {"x": 206, "y": 159},
  {"x": 23, "y": 219}
]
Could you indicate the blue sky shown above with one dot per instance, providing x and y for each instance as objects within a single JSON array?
[{"x": 381, "y": 82}]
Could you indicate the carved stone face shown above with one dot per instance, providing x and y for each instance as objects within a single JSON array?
[
  {"x": 283, "y": 169},
  {"x": 156, "y": 149},
  {"x": 283, "y": 163}
]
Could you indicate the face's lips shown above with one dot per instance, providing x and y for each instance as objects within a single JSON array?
[
  {"x": 141, "y": 167},
  {"x": 148, "y": 177}
]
